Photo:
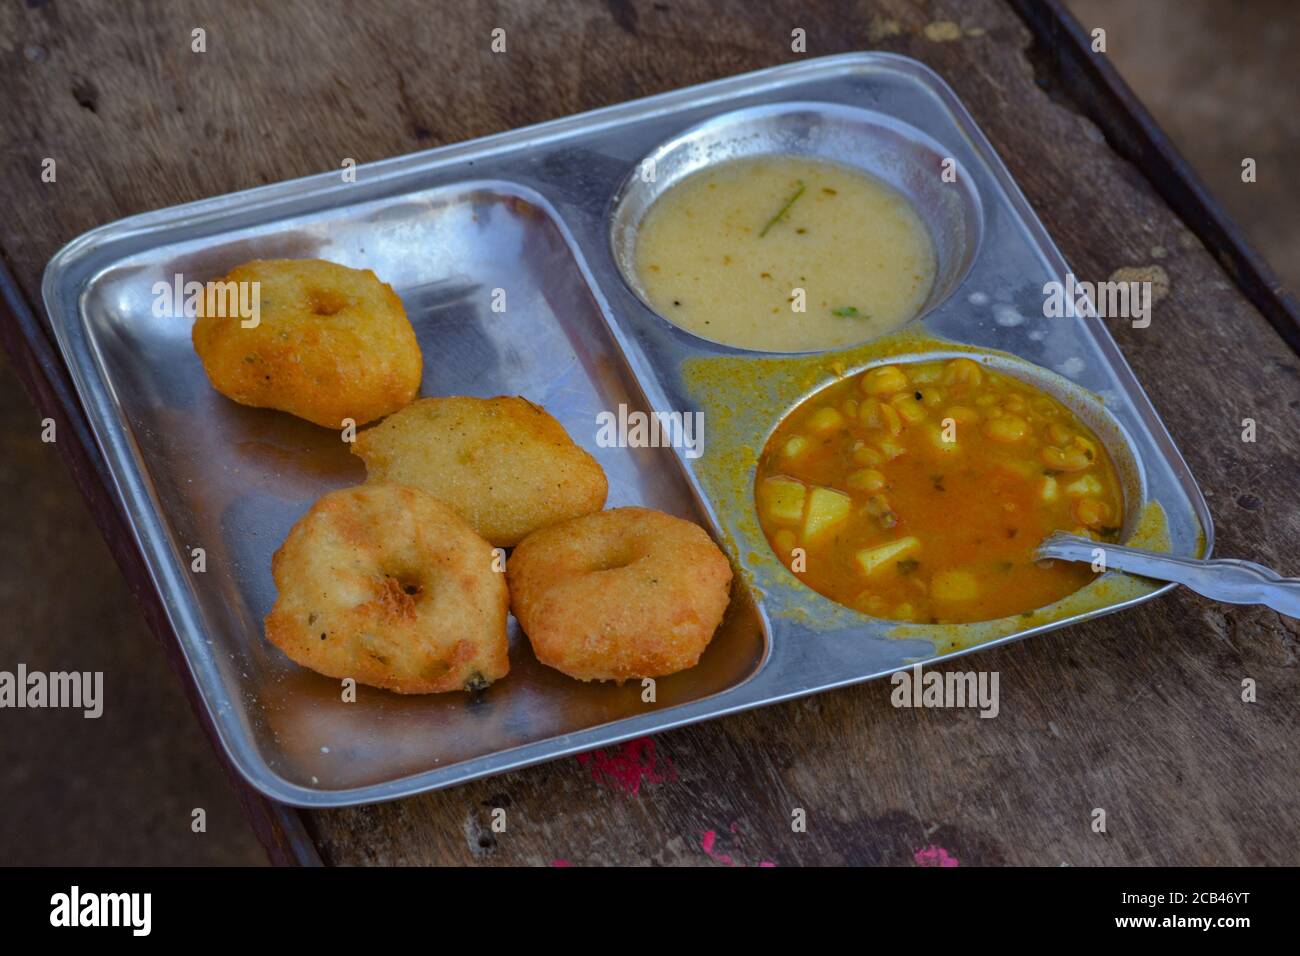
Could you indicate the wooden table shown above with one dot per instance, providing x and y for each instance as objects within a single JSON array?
[{"x": 1138, "y": 713}]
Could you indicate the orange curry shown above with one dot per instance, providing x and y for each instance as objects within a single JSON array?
[{"x": 919, "y": 491}]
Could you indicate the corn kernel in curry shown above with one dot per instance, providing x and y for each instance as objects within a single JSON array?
[{"x": 919, "y": 492}]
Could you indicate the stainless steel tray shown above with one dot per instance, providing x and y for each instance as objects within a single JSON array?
[{"x": 545, "y": 213}]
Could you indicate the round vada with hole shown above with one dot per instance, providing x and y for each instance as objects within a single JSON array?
[
  {"x": 387, "y": 585},
  {"x": 320, "y": 341},
  {"x": 619, "y": 594}
]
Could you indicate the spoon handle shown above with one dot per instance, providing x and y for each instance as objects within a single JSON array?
[{"x": 1224, "y": 579}]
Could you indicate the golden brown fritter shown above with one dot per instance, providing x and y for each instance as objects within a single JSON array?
[
  {"x": 387, "y": 585},
  {"x": 618, "y": 594},
  {"x": 503, "y": 464},
  {"x": 330, "y": 343}
]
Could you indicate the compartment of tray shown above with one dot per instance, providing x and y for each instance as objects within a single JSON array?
[
  {"x": 568, "y": 171},
  {"x": 782, "y": 589},
  {"x": 891, "y": 151},
  {"x": 232, "y": 480}
]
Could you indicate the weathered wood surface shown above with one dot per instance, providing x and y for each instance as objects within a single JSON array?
[{"x": 1139, "y": 713}]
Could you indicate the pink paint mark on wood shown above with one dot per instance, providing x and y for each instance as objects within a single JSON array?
[
  {"x": 561, "y": 863},
  {"x": 634, "y": 763},
  {"x": 708, "y": 843},
  {"x": 934, "y": 856}
]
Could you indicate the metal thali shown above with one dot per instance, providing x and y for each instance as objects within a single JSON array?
[{"x": 548, "y": 215}]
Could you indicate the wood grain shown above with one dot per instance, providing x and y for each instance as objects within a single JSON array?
[{"x": 1138, "y": 713}]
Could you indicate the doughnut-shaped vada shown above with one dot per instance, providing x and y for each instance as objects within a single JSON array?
[
  {"x": 618, "y": 594},
  {"x": 330, "y": 342},
  {"x": 503, "y": 464},
  {"x": 386, "y": 585}
]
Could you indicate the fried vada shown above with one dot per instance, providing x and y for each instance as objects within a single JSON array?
[
  {"x": 619, "y": 594},
  {"x": 503, "y": 464},
  {"x": 387, "y": 585},
  {"x": 330, "y": 343}
]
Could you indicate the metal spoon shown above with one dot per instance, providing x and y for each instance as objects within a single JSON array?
[{"x": 1224, "y": 579}]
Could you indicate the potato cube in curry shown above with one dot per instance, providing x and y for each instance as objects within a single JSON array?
[
  {"x": 884, "y": 556},
  {"x": 785, "y": 498},
  {"x": 826, "y": 508}
]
